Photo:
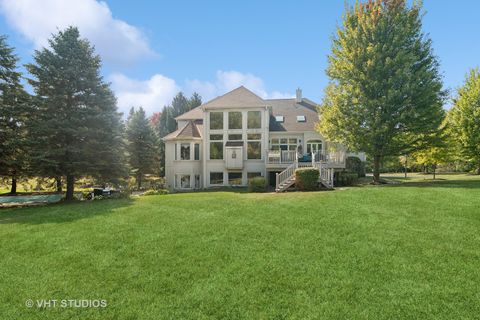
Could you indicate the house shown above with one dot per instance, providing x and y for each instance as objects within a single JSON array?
[{"x": 239, "y": 135}]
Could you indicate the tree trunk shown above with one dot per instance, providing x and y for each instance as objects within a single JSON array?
[
  {"x": 59, "y": 183},
  {"x": 406, "y": 166},
  {"x": 376, "y": 169},
  {"x": 478, "y": 169},
  {"x": 70, "y": 187},
  {"x": 13, "y": 189},
  {"x": 139, "y": 181},
  {"x": 434, "y": 171}
]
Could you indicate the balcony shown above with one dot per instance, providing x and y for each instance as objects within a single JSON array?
[{"x": 281, "y": 158}]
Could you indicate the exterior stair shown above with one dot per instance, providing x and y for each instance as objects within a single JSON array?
[{"x": 286, "y": 178}]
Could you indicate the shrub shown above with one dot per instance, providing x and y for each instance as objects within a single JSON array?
[
  {"x": 354, "y": 164},
  {"x": 345, "y": 178},
  {"x": 306, "y": 179},
  {"x": 257, "y": 184},
  {"x": 152, "y": 192}
]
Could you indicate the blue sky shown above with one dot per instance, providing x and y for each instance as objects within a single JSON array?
[{"x": 152, "y": 49}]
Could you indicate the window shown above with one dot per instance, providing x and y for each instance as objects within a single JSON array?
[
  {"x": 196, "y": 151},
  {"x": 185, "y": 151},
  {"x": 251, "y": 175},
  {"x": 254, "y": 120},
  {"x": 182, "y": 181},
  {"x": 234, "y": 178},
  {"x": 234, "y": 120},
  {"x": 254, "y": 146},
  {"x": 216, "y": 120},
  {"x": 301, "y": 119},
  {"x": 216, "y": 146},
  {"x": 176, "y": 151},
  {"x": 279, "y": 118},
  {"x": 284, "y": 144},
  {"x": 197, "y": 181},
  {"x": 216, "y": 177},
  {"x": 314, "y": 146},
  {"x": 235, "y": 137}
]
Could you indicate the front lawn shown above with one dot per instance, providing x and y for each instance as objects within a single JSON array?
[{"x": 404, "y": 251}]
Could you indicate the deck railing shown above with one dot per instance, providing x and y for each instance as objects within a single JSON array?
[{"x": 289, "y": 156}]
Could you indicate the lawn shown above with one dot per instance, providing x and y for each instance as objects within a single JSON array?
[{"x": 405, "y": 251}]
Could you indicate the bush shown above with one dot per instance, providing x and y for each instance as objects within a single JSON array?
[
  {"x": 257, "y": 184},
  {"x": 345, "y": 178},
  {"x": 354, "y": 164},
  {"x": 152, "y": 192},
  {"x": 306, "y": 179}
]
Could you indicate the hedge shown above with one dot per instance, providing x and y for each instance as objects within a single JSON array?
[
  {"x": 354, "y": 164},
  {"x": 345, "y": 178},
  {"x": 306, "y": 179},
  {"x": 257, "y": 184}
]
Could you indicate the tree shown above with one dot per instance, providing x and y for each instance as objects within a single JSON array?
[
  {"x": 385, "y": 93},
  {"x": 464, "y": 119},
  {"x": 438, "y": 150},
  {"x": 141, "y": 144},
  {"x": 14, "y": 104},
  {"x": 77, "y": 129}
]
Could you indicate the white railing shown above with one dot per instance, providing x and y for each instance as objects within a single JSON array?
[
  {"x": 326, "y": 174},
  {"x": 289, "y": 156},
  {"x": 286, "y": 174}
]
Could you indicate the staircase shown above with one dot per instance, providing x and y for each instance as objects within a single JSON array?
[{"x": 286, "y": 178}]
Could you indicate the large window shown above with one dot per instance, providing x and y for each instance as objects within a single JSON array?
[
  {"x": 216, "y": 146},
  {"x": 314, "y": 146},
  {"x": 232, "y": 137},
  {"x": 283, "y": 144},
  {"x": 234, "y": 120},
  {"x": 185, "y": 151},
  {"x": 254, "y": 120},
  {"x": 234, "y": 178},
  {"x": 216, "y": 120},
  {"x": 182, "y": 181},
  {"x": 216, "y": 177},
  {"x": 251, "y": 175},
  {"x": 197, "y": 151},
  {"x": 254, "y": 146}
]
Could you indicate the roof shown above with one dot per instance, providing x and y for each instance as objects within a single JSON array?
[
  {"x": 238, "y": 98},
  {"x": 190, "y": 130},
  {"x": 194, "y": 114},
  {"x": 290, "y": 109}
]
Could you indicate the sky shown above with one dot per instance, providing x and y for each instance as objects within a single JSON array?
[{"x": 153, "y": 49}]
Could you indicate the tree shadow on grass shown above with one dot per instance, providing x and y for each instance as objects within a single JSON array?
[{"x": 62, "y": 212}]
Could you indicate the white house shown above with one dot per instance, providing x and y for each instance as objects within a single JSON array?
[{"x": 239, "y": 135}]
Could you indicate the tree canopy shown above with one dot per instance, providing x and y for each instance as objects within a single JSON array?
[{"x": 385, "y": 93}]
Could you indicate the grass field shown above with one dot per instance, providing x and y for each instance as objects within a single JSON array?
[{"x": 404, "y": 251}]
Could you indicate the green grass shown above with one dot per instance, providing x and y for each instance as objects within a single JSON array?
[{"x": 404, "y": 251}]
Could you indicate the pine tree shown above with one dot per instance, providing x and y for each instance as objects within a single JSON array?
[
  {"x": 464, "y": 119},
  {"x": 76, "y": 128},
  {"x": 14, "y": 104},
  {"x": 385, "y": 96},
  {"x": 141, "y": 144}
]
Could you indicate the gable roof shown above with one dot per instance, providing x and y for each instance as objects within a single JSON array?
[
  {"x": 290, "y": 109},
  {"x": 194, "y": 114},
  {"x": 188, "y": 131},
  {"x": 238, "y": 98}
]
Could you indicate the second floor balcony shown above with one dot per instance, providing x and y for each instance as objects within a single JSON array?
[{"x": 286, "y": 157}]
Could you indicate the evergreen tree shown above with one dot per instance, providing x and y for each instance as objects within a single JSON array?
[
  {"x": 464, "y": 119},
  {"x": 385, "y": 96},
  {"x": 14, "y": 106},
  {"x": 141, "y": 144},
  {"x": 77, "y": 129}
]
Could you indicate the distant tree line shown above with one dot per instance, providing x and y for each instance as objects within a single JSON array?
[{"x": 69, "y": 127}]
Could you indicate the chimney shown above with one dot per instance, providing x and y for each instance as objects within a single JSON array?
[{"x": 298, "y": 99}]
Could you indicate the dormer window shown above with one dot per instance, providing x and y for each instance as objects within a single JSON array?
[
  {"x": 301, "y": 119},
  {"x": 279, "y": 118}
]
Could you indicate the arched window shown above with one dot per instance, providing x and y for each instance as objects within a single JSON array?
[{"x": 314, "y": 146}]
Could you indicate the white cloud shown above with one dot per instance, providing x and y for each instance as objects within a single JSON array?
[
  {"x": 154, "y": 93},
  {"x": 115, "y": 40},
  {"x": 151, "y": 94}
]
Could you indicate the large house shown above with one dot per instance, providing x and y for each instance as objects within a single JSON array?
[{"x": 239, "y": 135}]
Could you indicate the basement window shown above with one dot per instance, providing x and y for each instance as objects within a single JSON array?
[
  {"x": 279, "y": 118},
  {"x": 301, "y": 119}
]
